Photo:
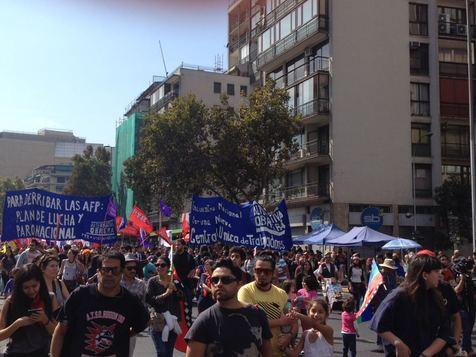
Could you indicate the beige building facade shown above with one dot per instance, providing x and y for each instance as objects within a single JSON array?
[
  {"x": 376, "y": 83},
  {"x": 42, "y": 160}
]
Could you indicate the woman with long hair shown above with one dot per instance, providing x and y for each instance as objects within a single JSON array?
[
  {"x": 306, "y": 271},
  {"x": 7, "y": 263},
  {"x": 162, "y": 295},
  {"x": 411, "y": 319},
  {"x": 27, "y": 317},
  {"x": 49, "y": 265}
]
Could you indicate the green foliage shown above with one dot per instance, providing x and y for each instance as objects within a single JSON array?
[
  {"x": 8, "y": 184},
  {"x": 195, "y": 149},
  {"x": 91, "y": 174},
  {"x": 454, "y": 199}
]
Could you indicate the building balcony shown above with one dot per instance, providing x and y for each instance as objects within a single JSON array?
[
  {"x": 455, "y": 151},
  {"x": 298, "y": 40},
  {"x": 300, "y": 194},
  {"x": 454, "y": 110},
  {"x": 236, "y": 45},
  {"x": 313, "y": 152},
  {"x": 268, "y": 20},
  {"x": 164, "y": 101},
  {"x": 450, "y": 69},
  {"x": 453, "y": 30},
  {"x": 314, "y": 112},
  {"x": 316, "y": 64},
  {"x": 232, "y": 3}
]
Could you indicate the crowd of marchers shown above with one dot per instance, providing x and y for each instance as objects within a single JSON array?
[{"x": 75, "y": 300}]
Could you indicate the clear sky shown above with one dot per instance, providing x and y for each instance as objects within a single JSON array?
[{"x": 77, "y": 64}]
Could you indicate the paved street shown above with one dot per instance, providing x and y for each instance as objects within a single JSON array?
[{"x": 365, "y": 343}]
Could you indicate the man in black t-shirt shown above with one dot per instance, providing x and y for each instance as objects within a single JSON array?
[
  {"x": 97, "y": 320},
  {"x": 229, "y": 328}
]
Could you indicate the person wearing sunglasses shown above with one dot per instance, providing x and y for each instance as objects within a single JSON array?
[
  {"x": 163, "y": 296},
  {"x": 272, "y": 299},
  {"x": 98, "y": 319},
  {"x": 230, "y": 327},
  {"x": 134, "y": 285}
]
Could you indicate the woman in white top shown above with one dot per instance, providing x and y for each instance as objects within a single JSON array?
[
  {"x": 356, "y": 280},
  {"x": 71, "y": 270}
]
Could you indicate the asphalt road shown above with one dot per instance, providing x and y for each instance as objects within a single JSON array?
[{"x": 365, "y": 343}]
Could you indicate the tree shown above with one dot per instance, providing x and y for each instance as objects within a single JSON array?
[
  {"x": 454, "y": 206},
  {"x": 8, "y": 184},
  {"x": 195, "y": 149},
  {"x": 91, "y": 174}
]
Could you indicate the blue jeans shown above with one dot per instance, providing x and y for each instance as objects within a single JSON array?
[{"x": 164, "y": 349}]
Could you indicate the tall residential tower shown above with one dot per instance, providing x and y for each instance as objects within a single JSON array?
[{"x": 381, "y": 86}]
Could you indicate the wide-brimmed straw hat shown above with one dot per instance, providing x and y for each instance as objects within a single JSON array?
[{"x": 388, "y": 263}]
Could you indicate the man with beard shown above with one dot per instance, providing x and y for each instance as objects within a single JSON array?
[
  {"x": 271, "y": 298},
  {"x": 98, "y": 319},
  {"x": 229, "y": 328}
]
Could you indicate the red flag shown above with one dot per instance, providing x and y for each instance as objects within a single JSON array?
[
  {"x": 180, "y": 343},
  {"x": 130, "y": 230},
  {"x": 185, "y": 224},
  {"x": 140, "y": 220},
  {"x": 162, "y": 233}
]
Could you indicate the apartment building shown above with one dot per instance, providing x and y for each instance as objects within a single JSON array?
[
  {"x": 382, "y": 91},
  {"x": 52, "y": 178},
  {"x": 42, "y": 160},
  {"x": 207, "y": 84}
]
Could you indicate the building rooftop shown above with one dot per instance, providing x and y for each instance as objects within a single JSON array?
[{"x": 45, "y": 135}]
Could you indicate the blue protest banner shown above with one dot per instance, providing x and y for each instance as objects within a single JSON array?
[
  {"x": 35, "y": 213},
  {"x": 214, "y": 219}
]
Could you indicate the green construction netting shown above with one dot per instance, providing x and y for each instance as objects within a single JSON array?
[{"x": 127, "y": 136}]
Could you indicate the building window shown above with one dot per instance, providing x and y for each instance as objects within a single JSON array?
[
  {"x": 244, "y": 90},
  {"x": 295, "y": 178},
  {"x": 216, "y": 87},
  {"x": 278, "y": 77},
  {"x": 451, "y": 21},
  {"x": 418, "y": 58},
  {"x": 421, "y": 141},
  {"x": 455, "y": 142},
  {"x": 295, "y": 70},
  {"x": 463, "y": 172},
  {"x": 419, "y": 19},
  {"x": 230, "y": 89},
  {"x": 420, "y": 99},
  {"x": 454, "y": 15},
  {"x": 61, "y": 179},
  {"x": 423, "y": 181}
]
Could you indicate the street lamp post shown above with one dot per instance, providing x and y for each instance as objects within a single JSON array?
[{"x": 469, "y": 53}]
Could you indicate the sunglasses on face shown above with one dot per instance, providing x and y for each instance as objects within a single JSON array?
[
  {"x": 112, "y": 270},
  {"x": 130, "y": 268},
  {"x": 161, "y": 265},
  {"x": 224, "y": 279},
  {"x": 263, "y": 271}
]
